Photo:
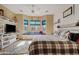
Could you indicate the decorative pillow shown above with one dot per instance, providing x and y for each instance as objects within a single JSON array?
[
  {"x": 77, "y": 24},
  {"x": 77, "y": 40},
  {"x": 64, "y": 34},
  {"x": 73, "y": 36}
]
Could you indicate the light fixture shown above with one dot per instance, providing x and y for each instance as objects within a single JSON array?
[
  {"x": 33, "y": 9},
  {"x": 46, "y": 11},
  {"x": 21, "y": 10}
]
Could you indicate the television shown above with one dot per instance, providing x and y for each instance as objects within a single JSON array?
[{"x": 10, "y": 28}]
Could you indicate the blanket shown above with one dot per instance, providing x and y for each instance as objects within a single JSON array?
[{"x": 53, "y": 48}]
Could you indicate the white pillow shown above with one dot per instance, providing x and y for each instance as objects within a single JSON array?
[
  {"x": 74, "y": 31},
  {"x": 64, "y": 34}
]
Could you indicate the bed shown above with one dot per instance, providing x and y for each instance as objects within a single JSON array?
[
  {"x": 53, "y": 45},
  {"x": 53, "y": 48},
  {"x": 59, "y": 44}
]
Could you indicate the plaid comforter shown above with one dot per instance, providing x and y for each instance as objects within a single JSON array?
[{"x": 53, "y": 48}]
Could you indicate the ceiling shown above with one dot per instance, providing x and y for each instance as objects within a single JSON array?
[{"x": 33, "y": 9}]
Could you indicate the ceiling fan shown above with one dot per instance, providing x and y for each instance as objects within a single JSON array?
[
  {"x": 33, "y": 11},
  {"x": 34, "y": 7}
]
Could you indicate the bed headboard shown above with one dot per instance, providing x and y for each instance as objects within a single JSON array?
[
  {"x": 70, "y": 26},
  {"x": 64, "y": 29}
]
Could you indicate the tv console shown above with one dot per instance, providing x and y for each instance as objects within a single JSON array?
[{"x": 6, "y": 39}]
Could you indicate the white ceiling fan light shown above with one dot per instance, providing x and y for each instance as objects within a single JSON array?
[
  {"x": 35, "y": 8},
  {"x": 21, "y": 10},
  {"x": 46, "y": 11},
  {"x": 33, "y": 11}
]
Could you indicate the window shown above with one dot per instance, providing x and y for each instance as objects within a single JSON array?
[
  {"x": 25, "y": 22},
  {"x": 35, "y": 24},
  {"x": 25, "y": 25},
  {"x": 44, "y": 25}
]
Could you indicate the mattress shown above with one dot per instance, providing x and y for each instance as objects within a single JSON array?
[
  {"x": 49, "y": 38},
  {"x": 44, "y": 38}
]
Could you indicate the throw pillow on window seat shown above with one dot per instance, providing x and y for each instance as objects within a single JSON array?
[
  {"x": 74, "y": 37},
  {"x": 77, "y": 40}
]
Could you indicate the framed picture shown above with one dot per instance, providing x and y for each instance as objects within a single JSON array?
[
  {"x": 67, "y": 12},
  {"x": 1, "y": 12}
]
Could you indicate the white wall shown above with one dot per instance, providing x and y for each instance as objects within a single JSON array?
[
  {"x": 72, "y": 18},
  {"x": 77, "y": 11}
]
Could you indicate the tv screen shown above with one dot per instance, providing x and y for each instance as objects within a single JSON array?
[{"x": 10, "y": 28}]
